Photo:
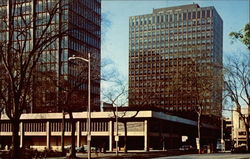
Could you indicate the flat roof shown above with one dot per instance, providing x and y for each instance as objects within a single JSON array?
[{"x": 108, "y": 115}]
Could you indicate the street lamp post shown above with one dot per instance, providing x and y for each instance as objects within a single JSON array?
[
  {"x": 222, "y": 135},
  {"x": 88, "y": 110},
  {"x": 117, "y": 136}
]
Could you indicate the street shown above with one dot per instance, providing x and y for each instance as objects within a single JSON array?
[
  {"x": 209, "y": 156},
  {"x": 153, "y": 155}
]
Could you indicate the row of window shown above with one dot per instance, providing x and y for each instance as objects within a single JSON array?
[
  {"x": 160, "y": 71},
  {"x": 163, "y": 18},
  {"x": 169, "y": 31},
  {"x": 150, "y": 55},
  {"x": 193, "y": 23},
  {"x": 175, "y": 40},
  {"x": 175, "y": 47},
  {"x": 164, "y": 35},
  {"x": 90, "y": 10},
  {"x": 177, "y": 104},
  {"x": 163, "y": 64},
  {"x": 145, "y": 80},
  {"x": 78, "y": 46}
]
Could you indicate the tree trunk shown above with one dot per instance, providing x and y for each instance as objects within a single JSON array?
[
  {"x": 247, "y": 134},
  {"x": 63, "y": 132},
  {"x": 199, "y": 132},
  {"x": 15, "y": 147},
  {"x": 73, "y": 130},
  {"x": 125, "y": 137}
]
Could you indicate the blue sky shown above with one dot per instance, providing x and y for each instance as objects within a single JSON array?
[{"x": 235, "y": 14}]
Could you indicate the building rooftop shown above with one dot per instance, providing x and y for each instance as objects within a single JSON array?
[
  {"x": 182, "y": 7},
  {"x": 108, "y": 115}
]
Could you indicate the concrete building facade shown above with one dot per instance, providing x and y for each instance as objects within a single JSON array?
[
  {"x": 238, "y": 128},
  {"x": 163, "y": 45},
  {"x": 146, "y": 131}
]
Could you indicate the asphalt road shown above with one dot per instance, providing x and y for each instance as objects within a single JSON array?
[
  {"x": 160, "y": 155},
  {"x": 209, "y": 156}
]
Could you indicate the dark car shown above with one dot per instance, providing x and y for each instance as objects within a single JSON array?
[{"x": 240, "y": 149}]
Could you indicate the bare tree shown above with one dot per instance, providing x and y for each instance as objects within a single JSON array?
[
  {"x": 24, "y": 38},
  {"x": 115, "y": 92},
  {"x": 237, "y": 78},
  {"x": 117, "y": 96},
  {"x": 237, "y": 87},
  {"x": 198, "y": 82}
]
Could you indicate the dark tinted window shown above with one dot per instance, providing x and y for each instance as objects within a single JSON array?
[
  {"x": 175, "y": 17},
  {"x": 189, "y": 15},
  {"x": 179, "y": 16},
  {"x": 194, "y": 15},
  {"x": 208, "y": 13},
  {"x": 184, "y": 16},
  {"x": 198, "y": 14},
  {"x": 203, "y": 14}
]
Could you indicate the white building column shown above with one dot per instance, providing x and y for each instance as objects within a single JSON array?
[
  {"x": 21, "y": 134},
  {"x": 110, "y": 135},
  {"x": 78, "y": 134},
  {"x": 48, "y": 135},
  {"x": 146, "y": 135}
]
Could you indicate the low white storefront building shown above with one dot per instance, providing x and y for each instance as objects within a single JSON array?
[{"x": 145, "y": 130}]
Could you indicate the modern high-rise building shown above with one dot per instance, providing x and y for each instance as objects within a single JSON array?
[
  {"x": 79, "y": 23},
  {"x": 172, "y": 52}
]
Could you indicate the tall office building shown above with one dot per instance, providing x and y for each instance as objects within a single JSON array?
[
  {"x": 81, "y": 19},
  {"x": 167, "y": 46}
]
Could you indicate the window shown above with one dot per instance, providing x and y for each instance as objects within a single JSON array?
[
  {"x": 198, "y": 14},
  {"x": 179, "y": 16},
  {"x": 203, "y": 14},
  {"x": 184, "y": 16},
  {"x": 175, "y": 17},
  {"x": 157, "y": 20},
  {"x": 180, "y": 24},
  {"x": 162, "y": 18},
  {"x": 194, "y": 15},
  {"x": 208, "y": 13},
  {"x": 189, "y": 15}
]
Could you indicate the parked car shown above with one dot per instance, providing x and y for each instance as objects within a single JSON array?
[
  {"x": 186, "y": 147},
  {"x": 83, "y": 148},
  {"x": 80, "y": 149},
  {"x": 240, "y": 149},
  {"x": 67, "y": 147},
  {"x": 93, "y": 149},
  {"x": 220, "y": 147}
]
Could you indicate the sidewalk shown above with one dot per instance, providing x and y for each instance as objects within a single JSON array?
[{"x": 129, "y": 155}]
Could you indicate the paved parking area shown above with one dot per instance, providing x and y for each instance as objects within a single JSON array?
[{"x": 209, "y": 156}]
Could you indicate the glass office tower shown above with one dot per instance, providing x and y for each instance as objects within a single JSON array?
[
  {"x": 166, "y": 43},
  {"x": 78, "y": 23}
]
